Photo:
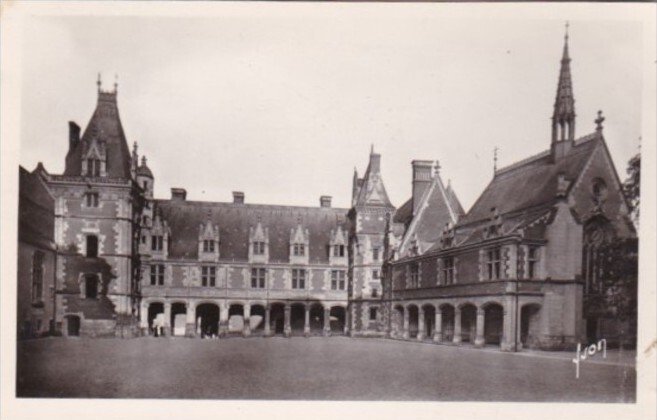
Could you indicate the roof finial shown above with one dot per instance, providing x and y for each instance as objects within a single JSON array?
[
  {"x": 98, "y": 82},
  {"x": 372, "y": 149},
  {"x": 116, "y": 82},
  {"x": 437, "y": 168},
  {"x": 495, "y": 159},
  {"x": 143, "y": 160},
  {"x": 598, "y": 122},
  {"x": 567, "y": 26}
]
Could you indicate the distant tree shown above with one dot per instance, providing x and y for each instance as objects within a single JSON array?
[{"x": 632, "y": 187}]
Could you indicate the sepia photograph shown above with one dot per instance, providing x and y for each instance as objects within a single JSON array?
[{"x": 328, "y": 203}]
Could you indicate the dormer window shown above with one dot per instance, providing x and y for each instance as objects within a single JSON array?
[
  {"x": 91, "y": 199},
  {"x": 299, "y": 250},
  {"x": 93, "y": 167},
  {"x": 157, "y": 242},
  {"x": 258, "y": 248},
  {"x": 208, "y": 245},
  {"x": 338, "y": 250}
]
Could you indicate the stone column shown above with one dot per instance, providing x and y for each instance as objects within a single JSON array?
[
  {"x": 457, "y": 326},
  {"x": 347, "y": 318},
  {"x": 287, "y": 330},
  {"x": 190, "y": 321},
  {"x": 267, "y": 320},
  {"x": 143, "y": 318},
  {"x": 223, "y": 320},
  {"x": 420, "y": 324},
  {"x": 509, "y": 328},
  {"x": 246, "y": 329},
  {"x": 327, "y": 322},
  {"x": 438, "y": 328},
  {"x": 479, "y": 329},
  {"x": 405, "y": 332},
  {"x": 306, "y": 321},
  {"x": 167, "y": 318}
]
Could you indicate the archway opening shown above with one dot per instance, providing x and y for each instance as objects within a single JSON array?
[
  {"x": 413, "y": 319},
  {"x": 257, "y": 319},
  {"x": 316, "y": 319},
  {"x": 297, "y": 318},
  {"x": 447, "y": 322},
  {"x": 277, "y": 318},
  {"x": 156, "y": 318},
  {"x": 72, "y": 325},
  {"x": 236, "y": 318},
  {"x": 529, "y": 317},
  {"x": 493, "y": 323},
  {"x": 429, "y": 320},
  {"x": 338, "y": 316},
  {"x": 468, "y": 323},
  {"x": 398, "y": 321},
  {"x": 178, "y": 319},
  {"x": 207, "y": 320}
]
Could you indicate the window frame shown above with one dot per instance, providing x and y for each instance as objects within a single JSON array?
[
  {"x": 37, "y": 277},
  {"x": 298, "y": 279},
  {"x": 258, "y": 278},
  {"x": 208, "y": 276},
  {"x": 338, "y": 281},
  {"x": 494, "y": 263},
  {"x": 157, "y": 274}
]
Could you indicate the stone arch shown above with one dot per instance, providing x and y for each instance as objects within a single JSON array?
[
  {"x": 156, "y": 317},
  {"x": 338, "y": 317},
  {"x": 316, "y": 318},
  {"x": 297, "y": 317},
  {"x": 413, "y": 313},
  {"x": 178, "y": 318},
  {"x": 207, "y": 316},
  {"x": 530, "y": 314},
  {"x": 398, "y": 314},
  {"x": 447, "y": 312},
  {"x": 235, "y": 317},
  {"x": 493, "y": 322},
  {"x": 277, "y": 317},
  {"x": 257, "y": 318},
  {"x": 468, "y": 321},
  {"x": 429, "y": 311}
]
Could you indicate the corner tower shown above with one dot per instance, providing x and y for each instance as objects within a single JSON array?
[{"x": 369, "y": 215}]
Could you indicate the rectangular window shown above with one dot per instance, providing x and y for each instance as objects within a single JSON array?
[
  {"x": 414, "y": 275},
  {"x": 93, "y": 167},
  {"x": 375, "y": 292},
  {"x": 373, "y": 313},
  {"x": 157, "y": 242},
  {"x": 258, "y": 278},
  {"x": 448, "y": 270},
  {"x": 338, "y": 279},
  {"x": 375, "y": 254},
  {"x": 338, "y": 250},
  {"x": 375, "y": 274},
  {"x": 208, "y": 245},
  {"x": 259, "y": 248},
  {"x": 37, "y": 277},
  {"x": 92, "y": 246},
  {"x": 532, "y": 262},
  {"x": 143, "y": 239},
  {"x": 493, "y": 263},
  {"x": 208, "y": 276},
  {"x": 157, "y": 275},
  {"x": 92, "y": 199},
  {"x": 298, "y": 278},
  {"x": 299, "y": 250}
]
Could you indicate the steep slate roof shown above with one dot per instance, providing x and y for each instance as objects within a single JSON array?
[
  {"x": 530, "y": 182},
  {"x": 435, "y": 211},
  {"x": 234, "y": 221},
  {"x": 104, "y": 126},
  {"x": 36, "y": 210}
]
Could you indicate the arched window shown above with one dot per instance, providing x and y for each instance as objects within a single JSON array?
[
  {"x": 37, "y": 277},
  {"x": 92, "y": 246},
  {"x": 599, "y": 191}
]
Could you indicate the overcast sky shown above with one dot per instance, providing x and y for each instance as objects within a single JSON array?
[{"x": 283, "y": 108}]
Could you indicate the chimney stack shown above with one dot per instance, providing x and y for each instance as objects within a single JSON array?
[
  {"x": 238, "y": 197},
  {"x": 73, "y": 135},
  {"x": 422, "y": 177},
  {"x": 325, "y": 201},
  {"x": 178, "y": 194}
]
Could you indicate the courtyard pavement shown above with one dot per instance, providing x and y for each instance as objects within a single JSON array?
[{"x": 333, "y": 368}]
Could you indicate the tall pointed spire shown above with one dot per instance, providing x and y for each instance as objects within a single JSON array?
[{"x": 563, "y": 118}]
